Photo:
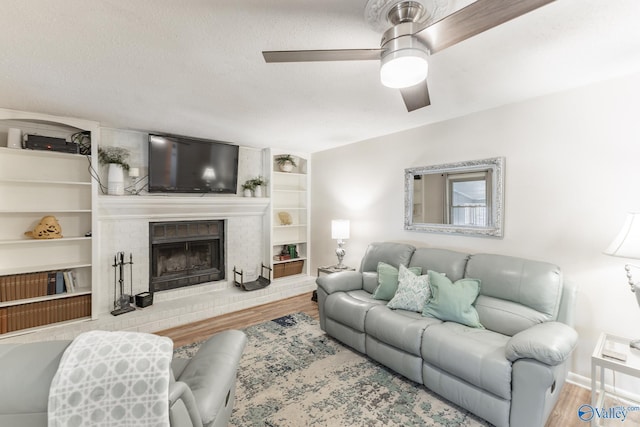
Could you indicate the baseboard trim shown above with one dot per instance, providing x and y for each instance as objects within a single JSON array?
[{"x": 585, "y": 382}]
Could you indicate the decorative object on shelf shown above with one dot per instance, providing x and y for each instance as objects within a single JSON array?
[
  {"x": 47, "y": 228},
  {"x": 14, "y": 138},
  {"x": 293, "y": 251},
  {"x": 627, "y": 245},
  {"x": 340, "y": 231},
  {"x": 122, "y": 302},
  {"x": 288, "y": 268},
  {"x": 258, "y": 182},
  {"x": 253, "y": 185},
  {"x": 285, "y": 218},
  {"x": 247, "y": 189},
  {"x": 285, "y": 162},
  {"x": 116, "y": 158},
  {"x": 134, "y": 187}
]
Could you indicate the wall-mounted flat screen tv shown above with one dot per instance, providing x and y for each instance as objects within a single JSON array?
[{"x": 187, "y": 165}]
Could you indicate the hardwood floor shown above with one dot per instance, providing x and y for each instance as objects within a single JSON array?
[
  {"x": 203, "y": 329},
  {"x": 563, "y": 415}
]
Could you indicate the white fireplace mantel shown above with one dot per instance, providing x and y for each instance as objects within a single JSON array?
[{"x": 166, "y": 207}]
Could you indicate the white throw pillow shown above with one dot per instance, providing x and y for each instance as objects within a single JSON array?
[{"x": 413, "y": 291}]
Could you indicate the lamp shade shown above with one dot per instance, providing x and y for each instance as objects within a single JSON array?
[
  {"x": 340, "y": 229},
  {"x": 627, "y": 243}
]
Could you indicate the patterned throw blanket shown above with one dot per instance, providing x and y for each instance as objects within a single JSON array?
[{"x": 112, "y": 379}]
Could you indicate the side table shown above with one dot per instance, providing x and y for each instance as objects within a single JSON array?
[
  {"x": 329, "y": 269},
  {"x": 613, "y": 353}
]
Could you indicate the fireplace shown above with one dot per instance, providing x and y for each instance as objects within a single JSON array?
[{"x": 185, "y": 253}]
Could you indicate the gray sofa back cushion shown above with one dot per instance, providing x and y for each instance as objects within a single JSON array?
[
  {"x": 388, "y": 252},
  {"x": 440, "y": 260},
  {"x": 515, "y": 293}
]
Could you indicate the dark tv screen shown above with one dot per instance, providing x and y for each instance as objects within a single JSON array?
[{"x": 187, "y": 165}]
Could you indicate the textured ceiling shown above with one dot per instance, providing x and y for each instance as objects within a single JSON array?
[{"x": 195, "y": 67}]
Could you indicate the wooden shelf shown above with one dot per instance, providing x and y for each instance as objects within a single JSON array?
[{"x": 44, "y": 298}]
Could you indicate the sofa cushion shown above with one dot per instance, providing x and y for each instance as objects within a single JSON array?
[
  {"x": 476, "y": 356},
  {"x": 413, "y": 291},
  {"x": 531, "y": 284},
  {"x": 350, "y": 308},
  {"x": 451, "y": 263},
  {"x": 388, "y": 280},
  {"x": 506, "y": 317},
  {"x": 388, "y": 252},
  {"x": 398, "y": 328},
  {"x": 453, "y": 301}
]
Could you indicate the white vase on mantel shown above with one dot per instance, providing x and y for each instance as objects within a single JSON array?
[
  {"x": 246, "y": 192},
  {"x": 115, "y": 183},
  {"x": 257, "y": 192}
]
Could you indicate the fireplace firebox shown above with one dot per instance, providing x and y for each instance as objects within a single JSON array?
[{"x": 185, "y": 253}]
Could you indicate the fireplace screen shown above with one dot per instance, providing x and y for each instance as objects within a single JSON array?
[{"x": 186, "y": 253}]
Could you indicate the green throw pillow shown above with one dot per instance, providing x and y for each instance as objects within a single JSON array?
[
  {"x": 453, "y": 301},
  {"x": 388, "y": 281},
  {"x": 412, "y": 293}
]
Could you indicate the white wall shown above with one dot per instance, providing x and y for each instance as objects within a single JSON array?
[{"x": 571, "y": 175}]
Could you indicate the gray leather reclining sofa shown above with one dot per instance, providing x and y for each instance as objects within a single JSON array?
[
  {"x": 201, "y": 393},
  {"x": 509, "y": 373}
]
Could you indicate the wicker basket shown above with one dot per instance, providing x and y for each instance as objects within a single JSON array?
[{"x": 287, "y": 268}]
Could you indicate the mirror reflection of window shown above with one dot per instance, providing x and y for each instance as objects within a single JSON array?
[{"x": 469, "y": 203}]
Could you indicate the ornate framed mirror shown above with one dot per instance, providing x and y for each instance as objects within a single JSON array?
[{"x": 457, "y": 198}]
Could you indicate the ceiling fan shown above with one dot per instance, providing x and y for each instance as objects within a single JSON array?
[{"x": 405, "y": 46}]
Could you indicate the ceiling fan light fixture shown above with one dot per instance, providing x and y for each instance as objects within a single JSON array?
[{"x": 404, "y": 68}]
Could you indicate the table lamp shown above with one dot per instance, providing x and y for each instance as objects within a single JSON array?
[
  {"x": 627, "y": 245},
  {"x": 340, "y": 231}
]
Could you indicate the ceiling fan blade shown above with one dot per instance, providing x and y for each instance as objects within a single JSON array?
[
  {"x": 416, "y": 96},
  {"x": 474, "y": 19},
  {"x": 321, "y": 55}
]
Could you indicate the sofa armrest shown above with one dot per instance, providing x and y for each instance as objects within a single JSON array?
[
  {"x": 550, "y": 343},
  {"x": 342, "y": 281},
  {"x": 211, "y": 372},
  {"x": 180, "y": 391}
]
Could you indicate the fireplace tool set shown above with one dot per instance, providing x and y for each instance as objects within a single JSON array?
[{"x": 122, "y": 302}]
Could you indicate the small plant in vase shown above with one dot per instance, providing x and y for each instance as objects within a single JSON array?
[
  {"x": 257, "y": 182},
  {"x": 117, "y": 160},
  {"x": 285, "y": 162},
  {"x": 247, "y": 188}
]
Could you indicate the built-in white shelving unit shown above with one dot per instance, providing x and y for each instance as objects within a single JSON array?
[
  {"x": 288, "y": 218},
  {"x": 34, "y": 184}
]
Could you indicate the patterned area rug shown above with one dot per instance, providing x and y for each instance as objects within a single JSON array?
[{"x": 293, "y": 374}]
